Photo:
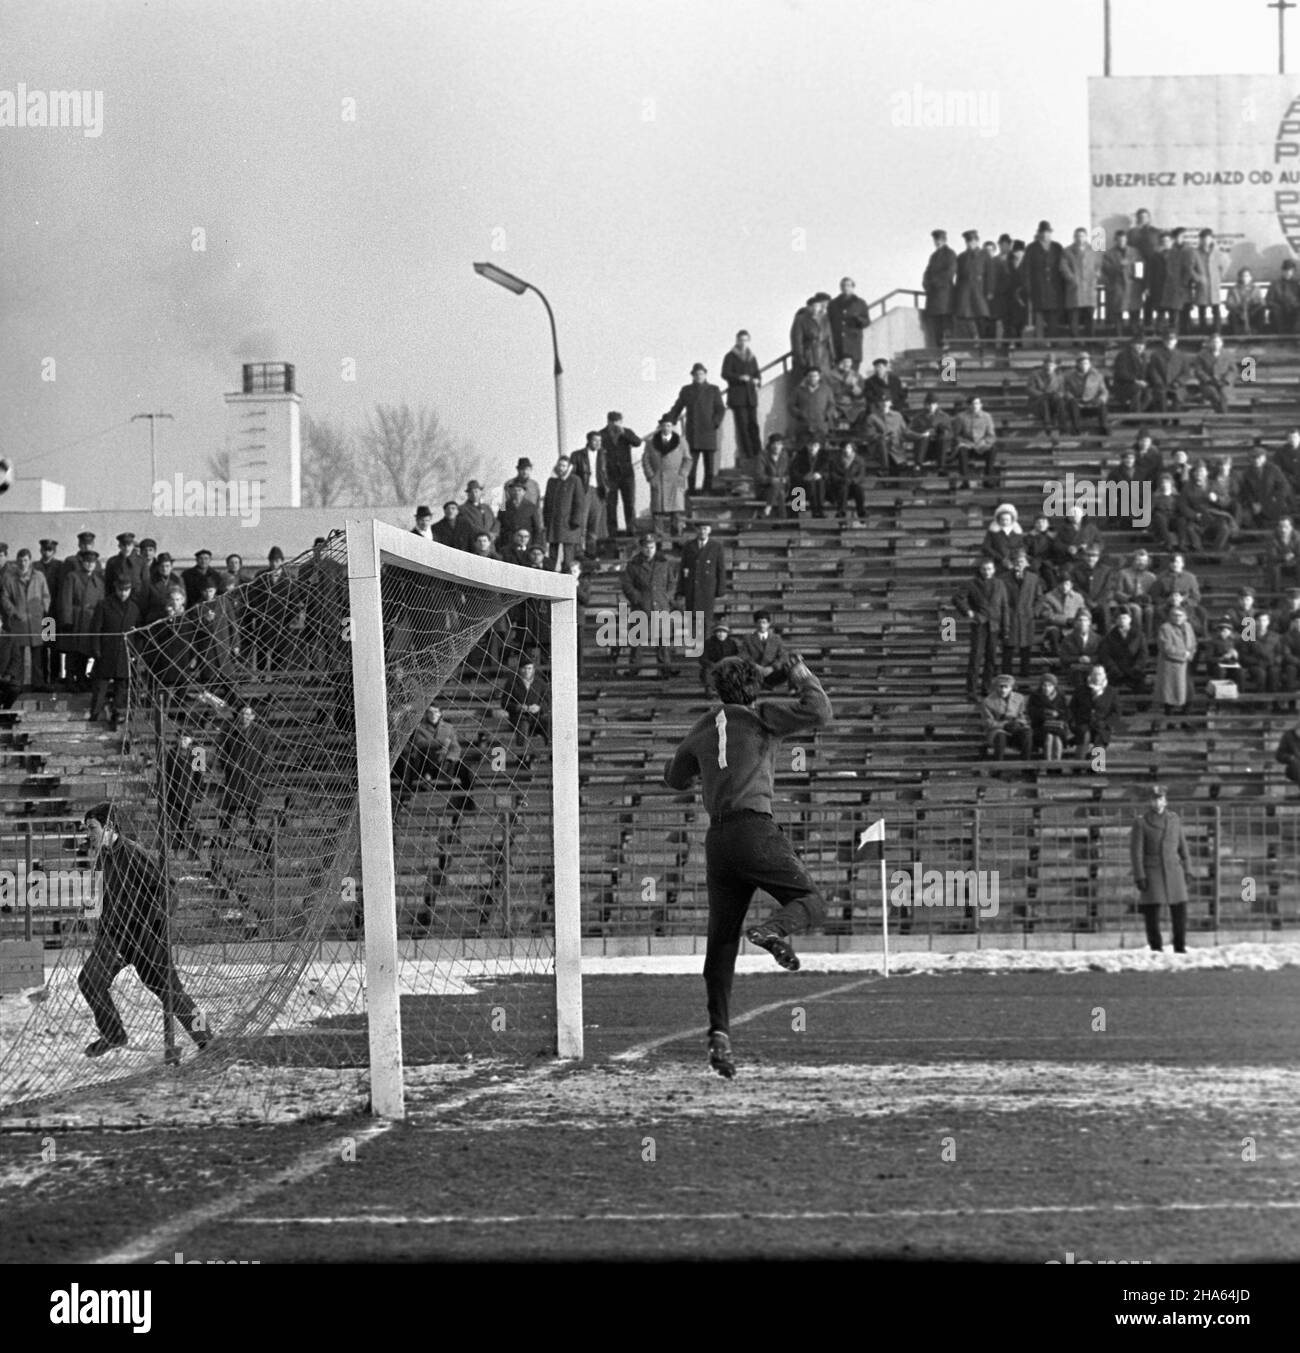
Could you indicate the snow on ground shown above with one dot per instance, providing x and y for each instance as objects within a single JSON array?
[
  {"x": 790, "y": 1092},
  {"x": 61, "y": 1024}
]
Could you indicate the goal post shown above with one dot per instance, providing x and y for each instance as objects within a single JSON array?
[{"x": 371, "y": 547}]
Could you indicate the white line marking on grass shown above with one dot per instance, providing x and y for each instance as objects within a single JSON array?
[
  {"x": 639, "y": 1050},
  {"x": 659, "y": 1218},
  {"x": 163, "y": 1239}
]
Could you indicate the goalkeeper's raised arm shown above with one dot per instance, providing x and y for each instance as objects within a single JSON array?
[{"x": 733, "y": 750}]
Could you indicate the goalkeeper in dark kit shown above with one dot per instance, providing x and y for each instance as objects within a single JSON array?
[
  {"x": 132, "y": 934},
  {"x": 733, "y": 750}
]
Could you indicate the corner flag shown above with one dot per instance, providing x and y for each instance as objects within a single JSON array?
[{"x": 871, "y": 841}]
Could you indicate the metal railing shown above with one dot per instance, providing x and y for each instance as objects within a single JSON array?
[
  {"x": 882, "y": 305},
  {"x": 1057, "y": 867}
]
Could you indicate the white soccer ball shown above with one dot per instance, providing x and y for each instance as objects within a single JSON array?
[{"x": 6, "y": 474}]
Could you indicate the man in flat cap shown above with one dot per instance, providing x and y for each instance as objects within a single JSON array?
[
  {"x": 126, "y": 563},
  {"x": 133, "y": 933},
  {"x": 704, "y": 407},
  {"x": 614, "y": 473},
  {"x": 812, "y": 347},
  {"x": 199, "y": 576},
  {"x": 50, "y": 671},
  {"x": 80, "y": 594},
  {"x": 85, "y": 541},
  {"x": 1160, "y": 859},
  {"x": 939, "y": 282}
]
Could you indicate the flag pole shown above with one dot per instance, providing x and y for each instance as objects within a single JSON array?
[{"x": 884, "y": 911}]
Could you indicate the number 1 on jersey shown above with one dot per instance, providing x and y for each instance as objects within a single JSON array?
[{"x": 721, "y": 722}]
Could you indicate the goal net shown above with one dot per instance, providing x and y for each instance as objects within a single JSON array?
[{"x": 346, "y": 856}]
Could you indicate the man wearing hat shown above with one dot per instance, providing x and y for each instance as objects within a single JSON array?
[
  {"x": 517, "y": 514},
  {"x": 972, "y": 309},
  {"x": 114, "y": 617},
  {"x": 475, "y": 515},
  {"x": 703, "y": 405},
  {"x": 200, "y": 576},
  {"x": 423, "y": 522},
  {"x": 85, "y": 541},
  {"x": 1180, "y": 277},
  {"x": 133, "y": 933},
  {"x": 614, "y": 474},
  {"x": 883, "y": 385},
  {"x": 1160, "y": 859},
  {"x": 702, "y": 579},
  {"x": 125, "y": 563},
  {"x": 812, "y": 347},
  {"x": 49, "y": 674},
  {"x": 1044, "y": 284},
  {"x": 1005, "y": 720},
  {"x": 81, "y": 592},
  {"x": 939, "y": 282},
  {"x": 717, "y": 646},
  {"x": 524, "y": 478}
]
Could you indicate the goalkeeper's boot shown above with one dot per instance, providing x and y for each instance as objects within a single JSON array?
[
  {"x": 720, "y": 1058},
  {"x": 771, "y": 937},
  {"x": 102, "y": 1045}
]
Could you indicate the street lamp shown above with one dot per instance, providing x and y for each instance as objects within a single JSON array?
[{"x": 519, "y": 286}]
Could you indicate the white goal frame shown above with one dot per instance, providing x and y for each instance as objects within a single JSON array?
[{"x": 369, "y": 544}]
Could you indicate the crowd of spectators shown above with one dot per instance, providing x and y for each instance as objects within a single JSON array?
[{"x": 1049, "y": 597}]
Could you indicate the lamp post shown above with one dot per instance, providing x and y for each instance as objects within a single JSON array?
[{"x": 519, "y": 286}]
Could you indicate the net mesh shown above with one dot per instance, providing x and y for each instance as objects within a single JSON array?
[{"x": 239, "y": 851}]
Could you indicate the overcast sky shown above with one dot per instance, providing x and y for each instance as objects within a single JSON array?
[{"x": 666, "y": 171}]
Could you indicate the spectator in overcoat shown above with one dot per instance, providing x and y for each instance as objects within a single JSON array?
[{"x": 1161, "y": 862}]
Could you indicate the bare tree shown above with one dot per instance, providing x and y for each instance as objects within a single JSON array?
[
  {"x": 329, "y": 471},
  {"x": 410, "y": 458}
]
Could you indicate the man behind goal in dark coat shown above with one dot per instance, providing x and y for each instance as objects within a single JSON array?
[
  {"x": 733, "y": 750},
  {"x": 132, "y": 934}
]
